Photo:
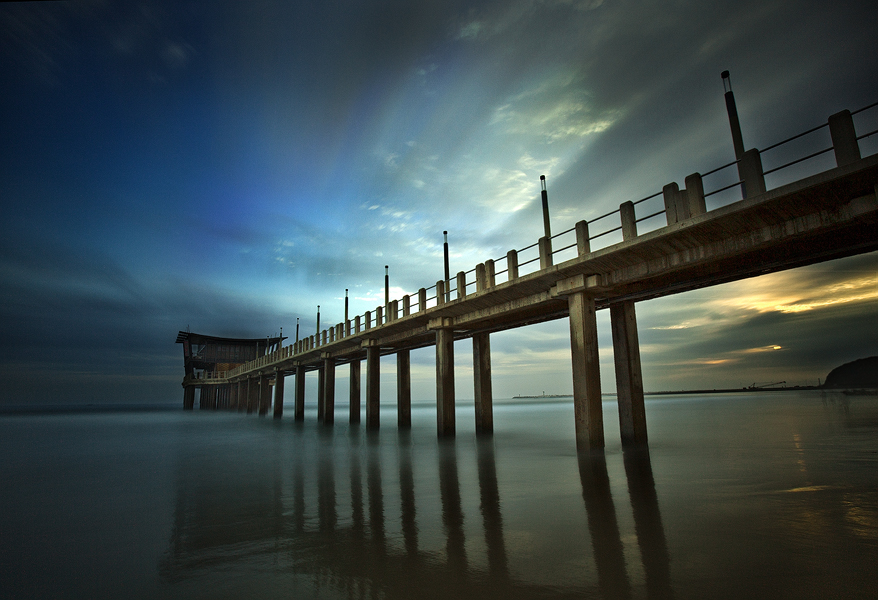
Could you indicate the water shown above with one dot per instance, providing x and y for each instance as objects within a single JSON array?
[{"x": 771, "y": 495}]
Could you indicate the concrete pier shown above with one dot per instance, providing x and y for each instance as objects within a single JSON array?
[
  {"x": 373, "y": 387},
  {"x": 445, "y": 381},
  {"x": 404, "y": 389},
  {"x": 587, "y": 411},
  {"x": 484, "y": 403},
  {"x": 264, "y": 394},
  {"x": 278, "y": 393},
  {"x": 629, "y": 380},
  {"x": 355, "y": 391},
  {"x": 321, "y": 393},
  {"x": 328, "y": 390},
  {"x": 299, "y": 412},
  {"x": 825, "y": 216}
]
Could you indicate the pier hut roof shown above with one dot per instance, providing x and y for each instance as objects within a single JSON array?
[{"x": 197, "y": 338}]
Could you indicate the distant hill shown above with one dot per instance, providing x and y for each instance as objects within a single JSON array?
[{"x": 862, "y": 373}]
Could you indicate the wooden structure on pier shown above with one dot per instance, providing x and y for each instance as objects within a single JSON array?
[
  {"x": 208, "y": 359},
  {"x": 829, "y": 215}
]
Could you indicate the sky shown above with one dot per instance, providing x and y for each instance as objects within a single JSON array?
[{"x": 229, "y": 166}]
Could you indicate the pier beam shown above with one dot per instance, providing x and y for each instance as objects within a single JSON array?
[
  {"x": 484, "y": 402},
  {"x": 445, "y": 382},
  {"x": 588, "y": 414},
  {"x": 299, "y": 411},
  {"x": 404, "y": 389},
  {"x": 373, "y": 387},
  {"x": 629, "y": 379},
  {"x": 355, "y": 391},
  {"x": 278, "y": 393},
  {"x": 328, "y": 390}
]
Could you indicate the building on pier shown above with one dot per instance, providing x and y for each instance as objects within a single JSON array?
[{"x": 207, "y": 359}]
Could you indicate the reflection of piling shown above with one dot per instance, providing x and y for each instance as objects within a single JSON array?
[
  {"x": 407, "y": 494},
  {"x": 452, "y": 512},
  {"x": 326, "y": 505},
  {"x": 648, "y": 523},
  {"x": 376, "y": 496},
  {"x": 606, "y": 541},
  {"x": 492, "y": 518}
]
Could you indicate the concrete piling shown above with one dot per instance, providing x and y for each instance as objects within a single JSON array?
[{"x": 588, "y": 414}]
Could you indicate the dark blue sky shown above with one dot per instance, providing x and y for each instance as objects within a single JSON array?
[{"x": 228, "y": 166}]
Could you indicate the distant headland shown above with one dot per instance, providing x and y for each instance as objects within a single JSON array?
[{"x": 858, "y": 374}]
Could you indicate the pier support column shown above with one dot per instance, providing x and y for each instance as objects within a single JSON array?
[
  {"x": 299, "y": 411},
  {"x": 629, "y": 379},
  {"x": 321, "y": 394},
  {"x": 233, "y": 396},
  {"x": 403, "y": 389},
  {"x": 373, "y": 387},
  {"x": 264, "y": 394},
  {"x": 242, "y": 395},
  {"x": 252, "y": 394},
  {"x": 355, "y": 391},
  {"x": 482, "y": 379},
  {"x": 189, "y": 397},
  {"x": 328, "y": 390},
  {"x": 445, "y": 382},
  {"x": 278, "y": 393},
  {"x": 588, "y": 414}
]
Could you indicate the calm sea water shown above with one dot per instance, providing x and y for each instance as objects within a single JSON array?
[{"x": 771, "y": 495}]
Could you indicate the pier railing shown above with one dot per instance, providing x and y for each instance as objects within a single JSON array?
[{"x": 796, "y": 157}]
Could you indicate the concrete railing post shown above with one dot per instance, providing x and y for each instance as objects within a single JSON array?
[
  {"x": 695, "y": 195},
  {"x": 583, "y": 244},
  {"x": 393, "y": 314},
  {"x": 489, "y": 273},
  {"x": 844, "y": 138},
  {"x": 422, "y": 299},
  {"x": 512, "y": 264},
  {"x": 368, "y": 320},
  {"x": 461, "y": 285},
  {"x": 670, "y": 193},
  {"x": 545, "y": 252},
  {"x": 629, "y": 220},
  {"x": 750, "y": 172},
  {"x": 379, "y": 316},
  {"x": 440, "y": 293},
  {"x": 481, "y": 277}
]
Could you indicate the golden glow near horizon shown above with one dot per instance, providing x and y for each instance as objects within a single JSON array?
[{"x": 790, "y": 292}]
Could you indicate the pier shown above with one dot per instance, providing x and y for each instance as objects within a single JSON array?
[{"x": 671, "y": 243}]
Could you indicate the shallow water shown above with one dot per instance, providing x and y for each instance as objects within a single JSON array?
[{"x": 771, "y": 495}]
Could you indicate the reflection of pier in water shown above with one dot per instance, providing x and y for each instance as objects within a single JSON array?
[{"x": 334, "y": 531}]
